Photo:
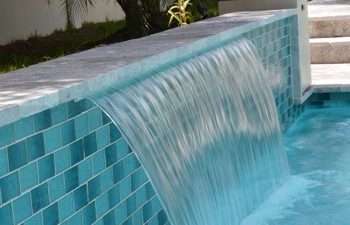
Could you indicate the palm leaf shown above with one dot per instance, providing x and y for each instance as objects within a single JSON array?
[
  {"x": 173, "y": 15},
  {"x": 173, "y": 7},
  {"x": 76, "y": 8},
  {"x": 187, "y": 2},
  {"x": 178, "y": 12}
]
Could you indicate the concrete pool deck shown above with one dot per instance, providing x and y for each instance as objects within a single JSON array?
[
  {"x": 42, "y": 86},
  {"x": 331, "y": 77}
]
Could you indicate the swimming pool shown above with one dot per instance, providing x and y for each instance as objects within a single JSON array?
[{"x": 318, "y": 192}]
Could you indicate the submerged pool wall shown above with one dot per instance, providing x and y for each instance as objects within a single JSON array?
[{"x": 69, "y": 164}]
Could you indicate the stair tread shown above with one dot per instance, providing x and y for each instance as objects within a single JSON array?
[
  {"x": 330, "y": 40},
  {"x": 330, "y": 74},
  {"x": 329, "y": 11}
]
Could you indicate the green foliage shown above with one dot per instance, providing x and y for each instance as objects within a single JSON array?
[
  {"x": 142, "y": 16},
  {"x": 213, "y": 8},
  {"x": 36, "y": 49},
  {"x": 179, "y": 12}
]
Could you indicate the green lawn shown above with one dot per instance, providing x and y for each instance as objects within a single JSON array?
[{"x": 20, "y": 54}]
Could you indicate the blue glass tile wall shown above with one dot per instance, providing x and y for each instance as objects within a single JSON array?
[
  {"x": 274, "y": 44},
  {"x": 69, "y": 165}
]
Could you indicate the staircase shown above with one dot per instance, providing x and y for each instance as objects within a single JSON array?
[{"x": 329, "y": 26}]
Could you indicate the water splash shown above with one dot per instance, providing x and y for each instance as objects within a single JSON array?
[
  {"x": 207, "y": 133},
  {"x": 273, "y": 76},
  {"x": 281, "y": 203}
]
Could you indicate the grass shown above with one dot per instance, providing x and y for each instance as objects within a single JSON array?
[{"x": 20, "y": 54}]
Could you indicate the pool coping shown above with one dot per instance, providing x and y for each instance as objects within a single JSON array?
[
  {"x": 323, "y": 88},
  {"x": 76, "y": 76},
  {"x": 331, "y": 88}
]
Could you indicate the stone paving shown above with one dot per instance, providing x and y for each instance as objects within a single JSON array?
[
  {"x": 330, "y": 44},
  {"x": 329, "y": 2},
  {"x": 323, "y": 74},
  {"x": 328, "y": 8}
]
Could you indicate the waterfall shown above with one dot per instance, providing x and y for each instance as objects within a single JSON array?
[{"x": 207, "y": 133}]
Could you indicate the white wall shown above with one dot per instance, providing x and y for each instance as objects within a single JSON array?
[
  {"x": 244, "y": 5},
  {"x": 304, "y": 46},
  {"x": 102, "y": 12},
  {"x": 20, "y": 19}
]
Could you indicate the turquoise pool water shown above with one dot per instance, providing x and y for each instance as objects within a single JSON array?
[{"x": 318, "y": 149}]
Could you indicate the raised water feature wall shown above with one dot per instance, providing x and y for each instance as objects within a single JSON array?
[
  {"x": 69, "y": 164},
  {"x": 207, "y": 133}
]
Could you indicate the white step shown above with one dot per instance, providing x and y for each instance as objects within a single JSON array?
[
  {"x": 329, "y": 20},
  {"x": 330, "y": 50},
  {"x": 335, "y": 27},
  {"x": 330, "y": 74}
]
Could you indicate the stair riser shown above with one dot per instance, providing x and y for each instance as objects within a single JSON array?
[
  {"x": 329, "y": 28},
  {"x": 326, "y": 53}
]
